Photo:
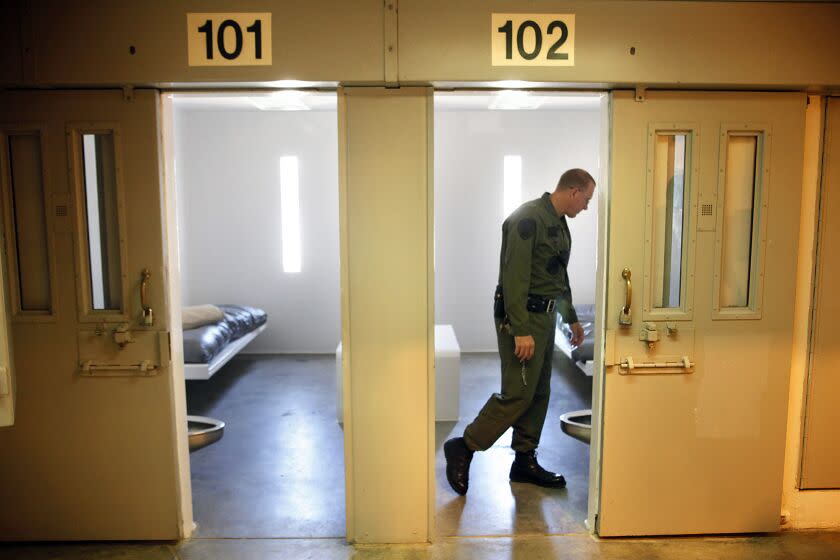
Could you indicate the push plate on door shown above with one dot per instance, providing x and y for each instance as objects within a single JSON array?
[
  {"x": 671, "y": 353},
  {"x": 111, "y": 351}
]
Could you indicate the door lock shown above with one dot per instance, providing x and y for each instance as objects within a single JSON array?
[
  {"x": 649, "y": 333},
  {"x": 122, "y": 336}
]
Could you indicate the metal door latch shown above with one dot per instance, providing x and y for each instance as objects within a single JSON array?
[
  {"x": 649, "y": 333},
  {"x": 122, "y": 336}
]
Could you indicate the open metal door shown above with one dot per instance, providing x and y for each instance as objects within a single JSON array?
[
  {"x": 704, "y": 218},
  {"x": 7, "y": 374},
  {"x": 92, "y": 455}
]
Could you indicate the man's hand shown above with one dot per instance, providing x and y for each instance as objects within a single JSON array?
[
  {"x": 577, "y": 334},
  {"x": 525, "y": 347}
]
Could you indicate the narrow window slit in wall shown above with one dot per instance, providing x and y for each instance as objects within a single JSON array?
[{"x": 290, "y": 213}]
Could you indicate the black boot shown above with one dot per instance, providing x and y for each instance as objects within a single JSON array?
[
  {"x": 526, "y": 469},
  {"x": 458, "y": 458}
]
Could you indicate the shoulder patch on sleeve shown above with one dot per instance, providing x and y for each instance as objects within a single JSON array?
[{"x": 526, "y": 228}]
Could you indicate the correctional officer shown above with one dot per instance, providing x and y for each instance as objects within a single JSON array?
[{"x": 533, "y": 286}]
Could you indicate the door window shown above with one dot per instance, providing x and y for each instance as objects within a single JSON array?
[
  {"x": 669, "y": 238},
  {"x": 26, "y": 227},
  {"x": 101, "y": 239},
  {"x": 739, "y": 247}
]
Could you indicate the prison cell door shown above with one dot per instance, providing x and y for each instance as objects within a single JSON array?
[
  {"x": 92, "y": 453},
  {"x": 704, "y": 221}
]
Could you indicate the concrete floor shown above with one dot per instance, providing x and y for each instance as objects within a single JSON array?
[
  {"x": 279, "y": 470},
  {"x": 494, "y": 506},
  {"x": 291, "y": 505},
  {"x": 787, "y": 546}
]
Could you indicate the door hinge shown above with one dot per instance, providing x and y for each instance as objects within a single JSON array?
[
  {"x": 5, "y": 388},
  {"x": 641, "y": 92},
  {"x": 128, "y": 93}
]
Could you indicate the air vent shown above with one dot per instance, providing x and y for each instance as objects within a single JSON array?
[
  {"x": 706, "y": 219},
  {"x": 61, "y": 210}
]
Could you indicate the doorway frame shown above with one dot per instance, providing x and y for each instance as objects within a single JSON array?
[
  {"x": 186, "y": 515},
  {"x": 173, "y": 262},
  {"x": 598, "y": 381}
]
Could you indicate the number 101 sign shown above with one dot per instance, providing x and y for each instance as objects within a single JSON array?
[
  {"x": 533, "y": 39},
  {"x": 241, "y": 39}
]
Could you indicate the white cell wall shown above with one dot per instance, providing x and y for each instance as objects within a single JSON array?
[
  {"x": 470, "y": 146},
  {"x": 227, "y": 175},
  {"x": 229, "y": 213}
]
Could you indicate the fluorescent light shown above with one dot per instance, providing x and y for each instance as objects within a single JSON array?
[
  {"x": 509, "y": 100},
  {"x": 290, "y": 213},
  {"x": 288, "y": 100},
  {"x": 513, "y": 184},
  {"x": 291, "y": 84},
  {"x": 512, "y": 84}
]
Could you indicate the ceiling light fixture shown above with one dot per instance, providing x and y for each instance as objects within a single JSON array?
[
  {"x": 287, "y": 100},
  {"x": 511, "y": 100}
]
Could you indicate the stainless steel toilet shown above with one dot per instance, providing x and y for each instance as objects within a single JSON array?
[
  {"x": 203, "y": 431},
  {"x": 577, "y": 424}
]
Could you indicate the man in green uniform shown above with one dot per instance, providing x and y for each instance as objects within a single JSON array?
[{"x": 533, "y": 286}]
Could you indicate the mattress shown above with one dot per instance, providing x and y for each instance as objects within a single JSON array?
[{"x": 202, "y": 344}]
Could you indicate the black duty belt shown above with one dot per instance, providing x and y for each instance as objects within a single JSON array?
[
  {"x": 540, "y": 304},
  {"x": 535, "y": 303}
]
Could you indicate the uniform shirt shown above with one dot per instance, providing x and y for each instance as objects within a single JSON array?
[{"x": 536, "y": 245}]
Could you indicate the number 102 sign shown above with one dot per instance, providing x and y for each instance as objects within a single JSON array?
[{"x": 533, "y": 39}]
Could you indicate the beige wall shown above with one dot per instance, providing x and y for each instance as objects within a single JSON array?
[
  {"x": 387, "y": 302},
  {"x": 736, "y": 44}
]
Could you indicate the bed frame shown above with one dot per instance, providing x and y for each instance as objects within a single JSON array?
[{"x": 206, "y": 371}]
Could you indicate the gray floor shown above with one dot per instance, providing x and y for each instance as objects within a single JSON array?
[
  {"x": 787, "y": 546},
  {"x": 279, "y": 471},
  {"x": 495, "y": 506},
  {"x": 272, "y": 488}
]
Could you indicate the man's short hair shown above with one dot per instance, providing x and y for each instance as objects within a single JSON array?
[{"x": 574, "y": 179}]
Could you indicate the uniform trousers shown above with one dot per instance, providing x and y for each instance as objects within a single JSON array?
[{"x": 522, "y": 404}]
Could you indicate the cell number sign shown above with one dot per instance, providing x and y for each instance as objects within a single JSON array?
[
  {"x": 533, "y": 39},
  {"x": 237, "y": 39}
]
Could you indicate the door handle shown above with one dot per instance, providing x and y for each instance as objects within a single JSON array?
[
  {"x": 624, "y": 317},
  {"x": 147, "y": 318}
]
